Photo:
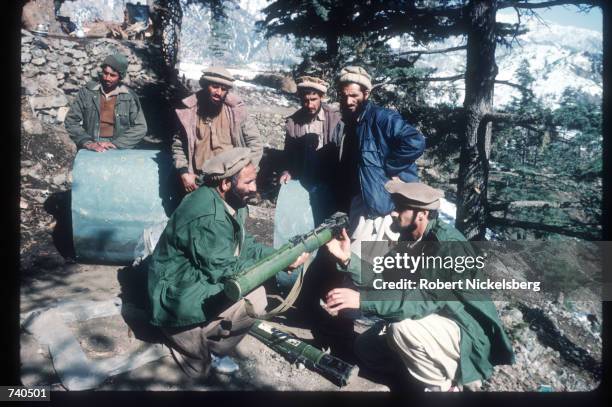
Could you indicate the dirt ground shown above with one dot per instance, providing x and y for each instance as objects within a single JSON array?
[{"x": 261, "y": 368}]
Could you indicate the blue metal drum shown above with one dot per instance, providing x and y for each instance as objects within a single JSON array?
[
  {"x": 299, "y": 209},
  {"x": 116, "y": 194}
]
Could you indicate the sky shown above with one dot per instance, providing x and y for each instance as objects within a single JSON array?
[{"x": 566, "y": 15}]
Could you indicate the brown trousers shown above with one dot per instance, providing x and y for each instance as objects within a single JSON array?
[{"x": 191, "y": 346}]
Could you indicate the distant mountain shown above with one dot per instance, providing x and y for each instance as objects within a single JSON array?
[
  {"x": 558, "y": 56},
  {"x": 235, "y": 42}
]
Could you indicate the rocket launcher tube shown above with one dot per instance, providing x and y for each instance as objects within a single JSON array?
[
  {"x": 240, "y": 285},
  {"x": 295, "y": 350}
]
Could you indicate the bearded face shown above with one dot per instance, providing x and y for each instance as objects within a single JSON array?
[
  {"x": 352, "y": 97},
  {"x": 217, "y": 93},
  {"x": 244, "y": 186},
  {"x": 409, "y": 223}
]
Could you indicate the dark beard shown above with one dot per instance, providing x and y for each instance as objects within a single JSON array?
[
  {"x": 206, "y": 108},
  {"x": 348, "y": 116},
  {"x": 234, "y": 200},
  {"x": 405, "y": 232}
]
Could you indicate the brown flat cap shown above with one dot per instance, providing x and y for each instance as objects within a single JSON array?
[
  {"x": 310, "y": 82},
  {"x": 415, "y": 194},
  {"x": 355, "y": 74},
  {"x": 226, "y": 164},
  {"x": 217, "y": 74}
]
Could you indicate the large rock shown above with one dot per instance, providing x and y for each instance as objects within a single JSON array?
[
  {"x": 66, "y": 44},
  {"x": 277, "y": 81},
  {"x": 65, "y": 60},
  {"x": 47, "y": 82},
  {"x": 61, "y": 114},
  {"x": 77, "y": 54},
  {"x": 69, "y": 87},
  {"x": 48, "y": 102},
  {"x": 38, "y": 61},
  {"x": 29, "y": 85},
  {"x": 32, "y": 126}
]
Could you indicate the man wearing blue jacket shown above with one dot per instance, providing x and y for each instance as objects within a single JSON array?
[{"x": 375, "y": 146}]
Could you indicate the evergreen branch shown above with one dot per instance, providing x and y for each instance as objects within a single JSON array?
[
  {"x": 527, "y": 121},
  {"x": 515, "y": 85},
  {"x": 561, "y": 230}
]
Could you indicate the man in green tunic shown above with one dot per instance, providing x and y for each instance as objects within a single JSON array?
[
  {"x": 444, "y": 341},
  {"x": 203, "y": 243}
]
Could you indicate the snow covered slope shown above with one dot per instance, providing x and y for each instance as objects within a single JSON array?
[{"x": 558, "y": 56}]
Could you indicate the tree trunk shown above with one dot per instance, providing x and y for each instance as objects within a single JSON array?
[
  {"x": 476, "y": 146},
  {"x": 606, "y": 216},
  {"x": 331, "y": 42},
  {"x": 168, "y": 31}
]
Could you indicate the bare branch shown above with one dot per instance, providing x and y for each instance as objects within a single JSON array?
[
  {"x": 547, "y": 4},
  {"x": 442, "y": 78},
  {"x": 437, "y": 51},
  {"x": 398, "y": 81}
]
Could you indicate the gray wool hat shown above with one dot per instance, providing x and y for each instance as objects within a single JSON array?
[
  {"x": 355, "y": 74},
  {"x": 226, "y": 164},
  {"x": 310, "y": 82},
  {"x": 217, "y": 74},
  {"x": 415, "y": 194},
  {"x": 118, "y": 62}
]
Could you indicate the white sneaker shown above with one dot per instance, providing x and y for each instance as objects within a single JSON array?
[
  {"x": 225, "y": 364},
  {"x": 452, "y": 389}
]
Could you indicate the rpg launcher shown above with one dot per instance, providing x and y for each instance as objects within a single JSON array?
[
  {"x": 240, "y": 285},
  {"x": 297, "y": 351}
]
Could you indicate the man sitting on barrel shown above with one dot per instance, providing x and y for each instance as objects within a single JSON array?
[
  {"x": 203, "y": 243},
  {"x": 105, "y": 114}
]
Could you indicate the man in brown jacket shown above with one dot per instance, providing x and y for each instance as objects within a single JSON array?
[
  {"x": 212, "y": 121},
  {"x": 308, "y": 131}
]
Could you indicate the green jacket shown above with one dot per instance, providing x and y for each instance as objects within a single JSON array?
[
  {"x": 194, "y": 254},
  {"x": 484, "y": 342},
  {"x": 83, "y": 119}
]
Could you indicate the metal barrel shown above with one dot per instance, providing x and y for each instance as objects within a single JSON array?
[
  {"x": 238, "y": 286},
  {"x": 116, "y": 194}
]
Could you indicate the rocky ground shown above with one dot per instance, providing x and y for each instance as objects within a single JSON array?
[{"x": 557, "y": 343}]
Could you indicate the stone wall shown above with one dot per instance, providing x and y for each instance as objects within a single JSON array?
[{"x": 54, "y": 69}]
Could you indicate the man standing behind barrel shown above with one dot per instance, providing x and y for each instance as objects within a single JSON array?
[
  {"x": 106, "y": 114},
  {"x": 308, "y": 131},
  {"x": 377, "y": 144},
  {"x": 212, "y": 121},
  {"x": 203, "y": 243}
]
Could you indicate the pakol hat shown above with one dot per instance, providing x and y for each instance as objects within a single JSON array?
[
  {"x": 415, "y": 194},
  {"x": 217, "y": 74},
  {"x": 310, "y": 82},
  {"x": 118, "y": 62},
  {"x": 355, "y": 74},
  {"x": 226, "y": 164}
]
